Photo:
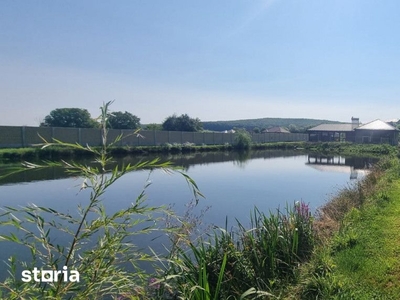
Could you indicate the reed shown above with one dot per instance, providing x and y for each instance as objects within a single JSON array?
[
  {"x": 253, "y": 262},
  {"x": 101, "y": 244}
]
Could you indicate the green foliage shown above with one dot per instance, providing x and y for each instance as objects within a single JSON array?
[
  {"x": 101, "y": 244},
  {"x": 242, "y": 140},
  {"x": 301, "y": 124},
  {"x": 123, "y": 120},
  {"x": 346, "y": 238},
  {"x": 293, "y": 128},
  {"x": 197, "y": 283},
  {"x": 182, "y": 123},
  {"x": 247, "y": 262},
  {"x": 12, "y": 154},
  {"x": 69, "y": 117},
  {"x": 153, "y": 126},
  {"x": 352, "y": 148}
]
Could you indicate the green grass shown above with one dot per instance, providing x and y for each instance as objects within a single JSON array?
[
  {"x": 358, "y": 245},
  {"x": 372, "y": 260},
  {"x": 359, "y": 257},
  {"x": 347, "y": 148}
]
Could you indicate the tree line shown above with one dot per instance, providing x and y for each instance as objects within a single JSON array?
[
  {"x": 81, "y": 118},
  {"x": 293, "y": 125}
]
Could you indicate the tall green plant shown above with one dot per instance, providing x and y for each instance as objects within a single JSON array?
[
  {"x": 275, "y": 244},
  {"x": 255, "y": 262},
  {"x": 100, "y": 243},
  {"x": 242, "y": 140},
  {"x": 204, "y": 273}
]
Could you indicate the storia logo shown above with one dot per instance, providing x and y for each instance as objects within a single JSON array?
[{"x": 50, "y": 275}]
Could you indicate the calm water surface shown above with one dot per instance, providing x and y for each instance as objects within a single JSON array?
[{"x": 232, "y": 186}]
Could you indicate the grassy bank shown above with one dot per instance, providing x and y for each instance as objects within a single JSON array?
[
  {"x": 34, "y": 153},
  {"x": 358, "y": 230},
  {"x": 352, "y": 149}
]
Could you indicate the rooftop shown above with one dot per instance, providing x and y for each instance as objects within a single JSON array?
[
  {"x": 333, "y": 127},
  {"x": 277, "y": 129},
  {"x": 376, "y": 125}
]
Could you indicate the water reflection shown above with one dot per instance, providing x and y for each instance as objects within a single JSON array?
[
  {"x": 186, "y": 161},
  {"x": 355, "y": 166},
  {"x": 242, "y": 159}
]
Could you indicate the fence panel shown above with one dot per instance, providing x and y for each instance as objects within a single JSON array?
[
  {"x": 68, "y": 135},
  {"x": 187, "y": 137},
  {"x": 219, "y": 138},
  {"x": 92, "y": 137},
  {"x": 146, "y": 138},
  {"x": 161, "y": 137},
  {"x": 11, "y": 136},
  {"x": 16, "y": 136},
  {"x": 209, "y": 138},
  {"x": 199, "y": 138},
  {"x": 129, "y": 138},
  {"x": 33, "y": 135},
  {"x": 175, "y": 137}
]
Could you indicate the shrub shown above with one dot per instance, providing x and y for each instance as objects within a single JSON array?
[{"x": 242, "y": 140}]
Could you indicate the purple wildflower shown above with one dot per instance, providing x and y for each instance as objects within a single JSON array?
[
  {"x": 154, "y": 284},
  {"x": 303, "y": 210}
]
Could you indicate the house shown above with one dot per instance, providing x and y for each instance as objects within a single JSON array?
[
  {"x": 343, "y": 132},
  {"x": 375, "y": 132}
]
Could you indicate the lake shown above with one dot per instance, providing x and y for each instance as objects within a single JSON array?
[{"x": 233, "y": 184}]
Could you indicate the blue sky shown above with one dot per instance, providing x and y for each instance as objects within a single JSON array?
[{"x": 215, "y": 60}]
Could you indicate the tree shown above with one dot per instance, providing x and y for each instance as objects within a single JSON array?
[
  {"x": 154, "y": 126},
  {"x": 256, "y": 130},
  {"x": 182, "y": 123},
  {"x": 120, "y": 120},
  {"x": 293, "y": 128},
  {"x": 242, "y": 140},
  {"x": 69, "y": 117}
]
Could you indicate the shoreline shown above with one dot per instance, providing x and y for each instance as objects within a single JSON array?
[{"x": 9, "y": 155}]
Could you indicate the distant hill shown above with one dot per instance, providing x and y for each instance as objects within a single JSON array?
[{"x": 293, "y": 125}]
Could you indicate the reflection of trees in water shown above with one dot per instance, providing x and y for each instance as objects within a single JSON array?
[
  {"x": 243, "y": 157},
  {"x": 182, "y": 160}
]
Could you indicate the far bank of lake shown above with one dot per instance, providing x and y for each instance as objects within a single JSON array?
[{"x": 13, "y": 155}]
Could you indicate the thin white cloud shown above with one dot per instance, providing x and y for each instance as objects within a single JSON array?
[{"x": 256, "y": 11}]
